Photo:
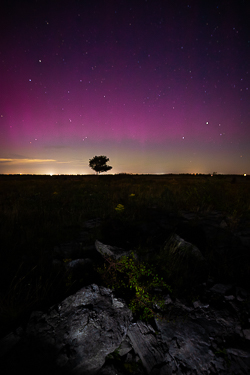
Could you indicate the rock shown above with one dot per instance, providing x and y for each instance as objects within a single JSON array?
[
  {"x": 77, "y": 335},
  {"x": 68, "y": 250},
  {"x": 204, "y": 340},
  {"x": 80, "y": 247},
  {"x": 109, "y": 370},
  {"x": 246, "y": 333},
  {"x": 183, "y": 247},
  {"x": 188, "y": 216},
  {"x": 86, "y": 332},
  {"x": 79, "y": 266},
  {"x": 90, "y": 332},
  {"x": 223, "y": 224},
  {"x": 124, "y": 348},
  {"x": 206, "y": 230},
  {"x": 221, "y": 289},
  {"x": 199, "y": 305},
  {"x": 186, "y": 263},
  {"x": 241, "y": 294},
  {"x": 93, "y": 223},
  {"x": 111, "y": 251},
  {"x": 236, "y": 360},
  {"x": 145, "y": 344},
  {"x": 57, "y": 264},
  {"x": 244, "y": 237},
  {"x": 229, "y": 298},
  {"x": 9, "y": 342},
  {"x": 189, "y": 345}
]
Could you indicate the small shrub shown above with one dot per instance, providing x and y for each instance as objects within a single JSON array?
[
  {"x": 119, "y": 208},
  {"x": 138, "y": 279}
]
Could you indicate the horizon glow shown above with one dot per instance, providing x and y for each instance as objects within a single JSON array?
[{"x": 156, "y": 88}]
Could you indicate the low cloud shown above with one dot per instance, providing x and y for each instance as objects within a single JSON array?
[
  {"x": 2, "y": 160},
  {"x": 6, "y": 160}
]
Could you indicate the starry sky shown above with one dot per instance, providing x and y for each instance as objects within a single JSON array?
[{"x": 156, "y": 86}]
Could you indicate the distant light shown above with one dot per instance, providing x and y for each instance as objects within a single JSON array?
[
  {"x": 51, "y": 174},
  {"x": 245, "y": 174}
]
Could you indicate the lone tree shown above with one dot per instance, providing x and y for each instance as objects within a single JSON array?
[{"x": 99, "y": 164}]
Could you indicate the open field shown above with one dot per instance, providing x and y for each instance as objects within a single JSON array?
[{"x": 40, "y": 212}]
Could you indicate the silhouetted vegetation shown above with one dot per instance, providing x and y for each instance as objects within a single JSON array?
[
  {"x": 99, "y": 164},
  {"x": 39, "y": 212}
]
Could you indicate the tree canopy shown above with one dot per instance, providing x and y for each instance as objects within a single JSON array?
[{"x": 99, "y": 164}]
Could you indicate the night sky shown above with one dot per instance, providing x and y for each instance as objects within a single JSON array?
[{"x": 156, "y": 86}]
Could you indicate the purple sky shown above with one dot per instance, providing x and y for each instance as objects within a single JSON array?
[{"x": 157, "y": 86}]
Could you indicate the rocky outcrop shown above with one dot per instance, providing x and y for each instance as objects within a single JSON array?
[
  {"x": 110, "y": 251},
  {"x": 93, "y": 331},
  {"x": 146, "y": 344},
  {"x": 204, "y": 340},
  {"x": 81, "y": 335},
  {"x": 77, "y": 335},
  {"x": 185, "y": 261}
]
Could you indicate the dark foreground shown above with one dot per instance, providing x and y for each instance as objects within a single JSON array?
[
  {"x": 141, "y": 213},
  {"x": 137, "y": 212}
]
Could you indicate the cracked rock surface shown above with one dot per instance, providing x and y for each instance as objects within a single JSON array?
[
  {"x": 76, "y": 335},
  {"x": 92, "y": 332}
]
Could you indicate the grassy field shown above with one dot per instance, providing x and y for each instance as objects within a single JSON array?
[{"x": 39, "y": 212}]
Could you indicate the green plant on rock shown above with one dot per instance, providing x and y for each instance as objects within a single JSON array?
[{"x": 138, "y": 280}]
